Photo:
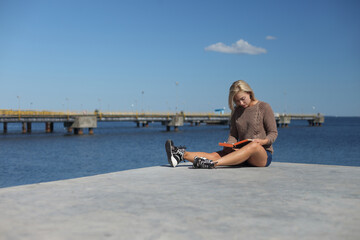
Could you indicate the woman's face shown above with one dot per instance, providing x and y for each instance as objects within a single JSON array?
[{"x": 242, "y": 99}]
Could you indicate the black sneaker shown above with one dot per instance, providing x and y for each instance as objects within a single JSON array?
[
  {"x": 174, "y": 154},
  {"x": 201, "y": 162}
]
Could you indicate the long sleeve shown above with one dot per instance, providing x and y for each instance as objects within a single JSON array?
[
  {"x": 270, "y": 124},
  {"x": 233, "y": 135}
]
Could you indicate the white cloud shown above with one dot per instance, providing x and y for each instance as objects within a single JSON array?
[
  {"x": 240, "y": 47},
  {"x": 270, "y": 38}
]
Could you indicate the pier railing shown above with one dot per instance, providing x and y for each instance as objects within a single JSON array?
[{"x": 79, "y": 120}]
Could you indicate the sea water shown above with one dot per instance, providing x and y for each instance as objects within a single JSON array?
[{"x": 41, "y": 157}]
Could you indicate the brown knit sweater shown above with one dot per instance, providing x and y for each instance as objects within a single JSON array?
[{"x": 256, "y": 121}]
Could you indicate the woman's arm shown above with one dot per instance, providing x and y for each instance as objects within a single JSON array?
[
  {"x": 262, "y": 141},
  {"x": 233, "y": 134},
  {"x": 270, "y": 125}
]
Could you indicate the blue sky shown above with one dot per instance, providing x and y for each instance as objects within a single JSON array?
[{"x": 299, "y": 56}]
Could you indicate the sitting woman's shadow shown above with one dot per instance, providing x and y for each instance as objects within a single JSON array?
[{"x": 190, "y": 166}]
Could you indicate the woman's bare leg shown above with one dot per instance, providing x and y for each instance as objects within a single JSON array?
[
  {"x": 211, "y": 156},
  {"x": 254, "y": 153}
]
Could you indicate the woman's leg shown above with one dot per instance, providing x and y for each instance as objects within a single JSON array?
[
  {"x": 253, "y": 153},
  {"x": 211, "y": 156}
]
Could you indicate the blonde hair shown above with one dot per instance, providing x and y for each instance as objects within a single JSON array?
[{"x": 236, "y": 87}]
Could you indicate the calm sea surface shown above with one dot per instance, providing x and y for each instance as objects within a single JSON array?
[{"x": 40, "y": 157}]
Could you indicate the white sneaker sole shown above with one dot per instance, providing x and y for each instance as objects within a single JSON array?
[{"x": 172, "y": 161}]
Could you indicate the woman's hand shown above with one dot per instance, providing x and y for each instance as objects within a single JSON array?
[{"x": 261, "y": 141}]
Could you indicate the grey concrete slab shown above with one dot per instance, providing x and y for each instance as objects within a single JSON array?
[{"x": 284, "y": 201}]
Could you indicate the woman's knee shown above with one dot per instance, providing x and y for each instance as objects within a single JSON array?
[
  {"x": 255, "y": 147},
  {"x": 258, "y": 156}
]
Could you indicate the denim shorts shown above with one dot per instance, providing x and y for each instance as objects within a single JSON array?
[{"x": 269, "y": 158}]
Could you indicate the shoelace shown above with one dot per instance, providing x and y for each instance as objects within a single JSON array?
[
  {"x": 204, "y": 163},
  {"x": 207, "y": 164},
  {"x": 179, "y": 150},
  {"x": 175, "y": 149}
]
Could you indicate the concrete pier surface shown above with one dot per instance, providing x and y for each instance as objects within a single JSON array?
[{"x": 283, "y": 201}]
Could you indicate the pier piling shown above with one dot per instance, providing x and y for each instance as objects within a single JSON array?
[
  {"x": 78, "y": 131},
  {"x": 5, "y": 127},
  {"x": 23, "y": 127},
  {"x": 49, "y": 127},
  {"x": 28, "y": 127}
]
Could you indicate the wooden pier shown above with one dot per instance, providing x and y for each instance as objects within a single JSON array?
[
  {"x": 283, "y": 120},
  {"x": 76, "y": 122}
]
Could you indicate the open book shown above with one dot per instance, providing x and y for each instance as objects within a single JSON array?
[{"x": 236, "y": 145}]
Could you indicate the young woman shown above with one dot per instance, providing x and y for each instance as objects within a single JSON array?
[{"x": 250, "y": 119}]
